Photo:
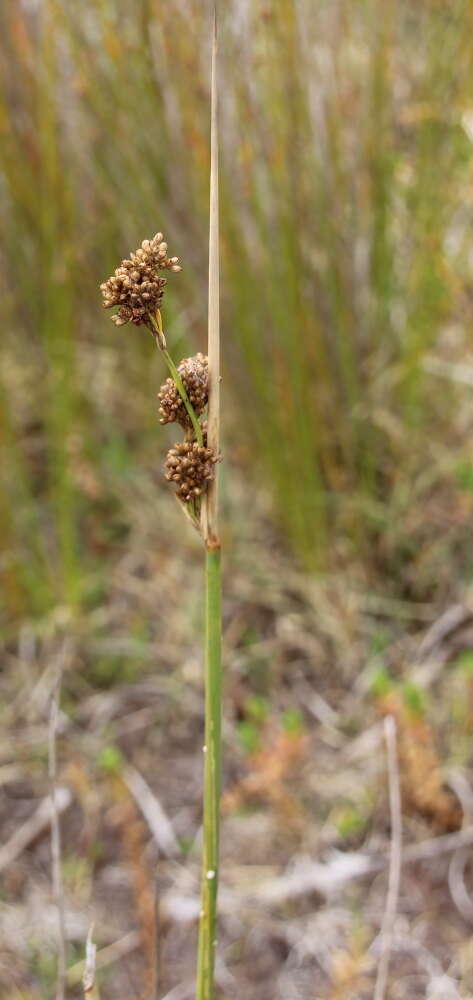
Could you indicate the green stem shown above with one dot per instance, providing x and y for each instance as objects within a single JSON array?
[
  {"x": 183, "y": 394},
  {"x": 161, "y": 343},
  {"x": 212, "y": 777}
]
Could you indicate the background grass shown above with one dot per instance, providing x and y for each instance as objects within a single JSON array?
[
  {"x": 346, "y": 268},
  {"x": 346, "y": 242}
]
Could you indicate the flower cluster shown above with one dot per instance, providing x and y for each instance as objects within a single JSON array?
[
  {"x": 194, "y": 373},
  {"x": 191, "y": 466},
  {"x": 136, "y": 287}
]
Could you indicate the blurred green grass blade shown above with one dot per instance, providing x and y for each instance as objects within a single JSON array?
[{"x": 345, "y": 239}]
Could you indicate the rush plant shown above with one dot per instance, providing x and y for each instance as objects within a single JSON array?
[{"x": 190, "y": 397}]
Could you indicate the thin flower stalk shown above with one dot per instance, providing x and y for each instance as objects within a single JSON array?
[
  {"x": 205, "y": 989},
  {"x": 157, "y": 326},
  {"x": 137, "y": 290}
]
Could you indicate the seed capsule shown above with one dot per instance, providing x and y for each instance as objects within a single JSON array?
[
  {"x": 194, "y": 373},
  {"x": 136, "y": 287},
  {"x": 191, "y": 467}
]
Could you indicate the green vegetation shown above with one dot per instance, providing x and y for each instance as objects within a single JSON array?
[
  {"x": 110, "y": 759},
  {"x": 345, "y": 212},
  {"x": 414, "y": 699},
  {"x": 345, "y": 257}
]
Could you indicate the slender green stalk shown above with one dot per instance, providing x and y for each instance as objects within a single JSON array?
[
  {"x": 212, "y": 772},
  {"x": 213, "y": 618},
  {"x": 161, "y": 342},
  {"x": 183, "y": 394}
]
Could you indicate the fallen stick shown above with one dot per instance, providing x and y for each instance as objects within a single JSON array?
[
  {"x": 314, "y": 876},
  {"x": 153, "y": 812},
  {"x": 88, "y": 978},
  {"x": 395, "y": 859},
  {"x": 58, "y": 885},
  {"x": 36, "y": 825},
  {"x": 105, "y": 956}
]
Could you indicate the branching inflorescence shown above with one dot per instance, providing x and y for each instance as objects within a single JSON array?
[
  {"x": 194, "y": 373},
  {"x": 190, "y": 466},
  {"x": 137, "y": 288},
  {"x": 190, "y": 398}
]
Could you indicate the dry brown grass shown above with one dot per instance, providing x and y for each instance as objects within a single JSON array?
[{"x": 300, "y": 798}]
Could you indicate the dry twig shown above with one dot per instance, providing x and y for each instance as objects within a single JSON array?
[
  {"x": 106, "y": 956},
  {"x": 307, "y": 876},
  {"x": 387, "y": 930},
  {"x": 58, "y": 887},
  {"x": 456, "y": 883},
  {"x": 88, "y": 979},
  {"x": 142, "y": 882},
  {"x": 153, "y": 812},
  {"x": 34, "y": 827}
]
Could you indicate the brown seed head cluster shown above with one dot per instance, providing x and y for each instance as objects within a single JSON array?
[
  {"x": 136, "y": 287},
  {"x": 190, "y": 466},
  {"x": 194, "y": 373}
]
